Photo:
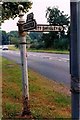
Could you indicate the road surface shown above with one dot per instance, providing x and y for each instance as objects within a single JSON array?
[{"x": 52, "y": 66}]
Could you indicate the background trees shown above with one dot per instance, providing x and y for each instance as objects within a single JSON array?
[
  {"x": 5, "y": 39},
  {"x": 36, "y": 41},
  {"x": 13, "y": 38},
  {"x": 57, "y": 40}
]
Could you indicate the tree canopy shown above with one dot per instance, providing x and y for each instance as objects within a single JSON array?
[
  {"x": 10, "y": 9},
  {"x": 56, "y": 17},
  {"x": 4, "y": 38},
  {"x": 57, "y": 39}
]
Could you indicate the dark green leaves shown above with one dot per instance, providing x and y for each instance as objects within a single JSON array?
[{"x": 10, "y": 9}]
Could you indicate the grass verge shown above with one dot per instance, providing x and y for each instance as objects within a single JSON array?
[
  {"x": 50, "y": 51},
  {"x": 12, "y": 47},
  {"x": 48, "y": 99}
]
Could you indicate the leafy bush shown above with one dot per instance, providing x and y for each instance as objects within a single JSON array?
[{"x": 62, "y": 44}]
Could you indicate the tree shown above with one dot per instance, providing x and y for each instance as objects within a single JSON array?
[
  {"x": 13, "y": 38},
  {"x": 10, "y": 9},
  {"x": 36, "y": 40},
  {"x": 56, "y": 17},
  {"x": 47, "y": 40},
  {"x": 5, "y": 39},
  {"x": 35, "y": 35}
]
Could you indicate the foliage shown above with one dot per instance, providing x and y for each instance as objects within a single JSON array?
[
  {"x": 56, "y": 17},
  {"x": 48, "y": 39},
  {"x": 36, "y": 40},
  {"x": 35, "y": 35},
  {"x": 13, "y": 38},
  {"x": 37, "y": 45},
  {"x": 56, "y": 43},
  {"x": 61, "y": 44},
  {"x": 56, "y": 39},
  {"x": 10, "y": 9},
  {"x": 28, "y": 39},
  {"x": 4, "y": 38}
]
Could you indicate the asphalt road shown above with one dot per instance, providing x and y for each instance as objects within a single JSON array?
[{"x": 53, "y": 66}]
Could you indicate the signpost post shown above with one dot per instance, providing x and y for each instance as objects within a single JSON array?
[
  {"x": 75, "y": 58},
  {"x": 30, "y": 24}
]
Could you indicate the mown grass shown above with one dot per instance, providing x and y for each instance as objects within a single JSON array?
[
  {"x": 12, "y": 47},
  {"x": 50, "y": 51},
  {"x": 11, "y": 88},
  {"x": 48, "y": 99}
]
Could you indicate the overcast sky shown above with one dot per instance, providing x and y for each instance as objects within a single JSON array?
[{"x": 39, "y": 8}]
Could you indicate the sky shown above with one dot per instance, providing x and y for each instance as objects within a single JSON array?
[{"x": 39, "y": 8}]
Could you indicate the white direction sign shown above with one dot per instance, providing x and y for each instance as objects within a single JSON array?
[{"x": 47, "y": 28}]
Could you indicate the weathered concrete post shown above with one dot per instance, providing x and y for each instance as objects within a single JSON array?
[
  {"x": 75, "y": 58},
  {"x": 25, "y": 87}
]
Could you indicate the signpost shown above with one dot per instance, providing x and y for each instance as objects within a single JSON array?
[{"x": 23, "y": 27}]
